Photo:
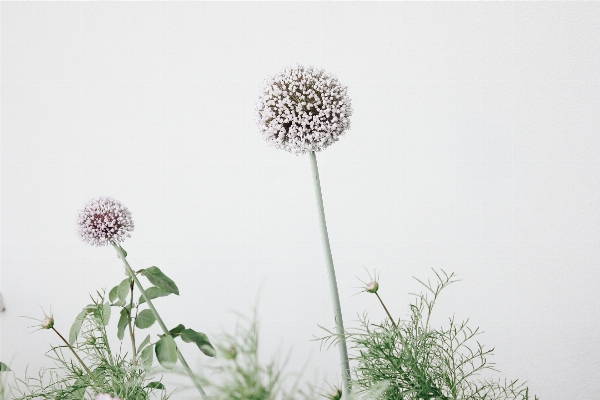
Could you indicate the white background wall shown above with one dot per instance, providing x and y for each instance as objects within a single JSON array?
[{"x": 474, "y": 148}]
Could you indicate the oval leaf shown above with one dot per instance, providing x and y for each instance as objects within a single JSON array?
[
  {"x": 160, "y": 280},
  {"x": 200, "y": 339},
  {"x": 155, "y": 385},
  {"x": 166, "y": 352},
  {"x": 112, "y": 295},
  {"x": 177, "y": 330},
  {"x": 144, "y": 344},
  {"x": 123, "y": 290},
  {"x": 122, "y": 324},
  {"x": 153, "y": 292},
  {"x": 145, "y": 319},
  {"x": 76, "y": 327},
  {"x": 146, "y": 357}
]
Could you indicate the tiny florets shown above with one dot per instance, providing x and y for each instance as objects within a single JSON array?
[
  {"x": 303, "y": 109},
  {"x": 103, "y": 220}
]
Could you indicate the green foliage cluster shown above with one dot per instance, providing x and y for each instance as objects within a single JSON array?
[
  {"x": 96, "y": 368},
  {"x": 110, "y": 373},
  {"x": 417, "y": 361},
  {"x": 239, "y": 374}
]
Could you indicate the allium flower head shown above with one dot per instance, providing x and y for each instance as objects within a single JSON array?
[
  {"x": 103, "y": 220},
  {"x": 303, "y": 109}
]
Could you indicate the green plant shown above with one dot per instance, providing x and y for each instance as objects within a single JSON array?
[
  {"x": 418, "y": 361},
  {"x": 96, "y": 368},
  {"x": 239, "y": 374}
]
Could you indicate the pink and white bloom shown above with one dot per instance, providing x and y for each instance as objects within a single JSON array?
[
  {"x": 103, "y": 220},
  {"x": 303, "y": 109}
]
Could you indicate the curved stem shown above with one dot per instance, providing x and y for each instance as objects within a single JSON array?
[
  {"x": 335, "y": 297},
  {"x": 129, "y": 322},
  {"x": 187, "y": 368},
  {"x": 386, "y": 310},
  {"x": 78, "y": 358}
]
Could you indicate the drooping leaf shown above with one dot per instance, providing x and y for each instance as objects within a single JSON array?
[
  {"x": 123, "y": 290},
  {"x": 166, "y": 352},
  {"x": 155, "y": 385},
  {"x": 144, "y": 344},
  {"x": 105, "y": 313},
  {"x": 200, "y": 339},
  {"x": 4, "y": 367},
  {"x": 122, "y": 324},
  {"x": 177, "y": 330},
  {"x": 153, "y": 292},
  {"x": 112, "y": 295},
  {"x": 145, "y": 319},
  {"x": 76, "y": 327},
  {"x": 160, "y": 280},
  {"x": 147, "y": 356}
]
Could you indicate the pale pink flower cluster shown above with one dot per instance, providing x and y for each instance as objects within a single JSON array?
[
  {"x": 105, "y": 396},
  {"x": 103, "y": 220},
  {"x": 303, "y": 109}
]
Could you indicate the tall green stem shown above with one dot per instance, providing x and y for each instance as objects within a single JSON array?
[
  {"x": 335, "y": 297},
  {"x": 187, "y": 368}
]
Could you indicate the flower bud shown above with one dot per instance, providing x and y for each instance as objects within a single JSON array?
[
  {"x": 47, "y": 323},
  {"x": 335, "y": 394},
  {"x": 372, "y": 287},
  {"x": 230, "y": 353},
  {"x": 91, "y": 340}
]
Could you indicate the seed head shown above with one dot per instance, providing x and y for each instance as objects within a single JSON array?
[
  {"x": 103, "y": 220},
  {"x": 303, "y": 109}
]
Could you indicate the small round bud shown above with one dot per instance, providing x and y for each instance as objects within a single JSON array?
[
  {"x": 335, "y": 394},
  {"x": 91, "y": 340},
  {"x": 230, "y": 353},
  {"x": 372, "y": 287},
  {"x": 47, "y": 323}
]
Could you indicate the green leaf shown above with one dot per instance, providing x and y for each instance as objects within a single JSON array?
[
  {"x": 153, "y": 292},
  {"x": 166, "y": 352},
  {"x": 145, "y": 319},
  {"x": 155, "y": 385},
  {"x": 122, "y": 324},
  {"x": 177, "y": 330},
  {"x": 4, "y": 367},
  {"x": 123, "y": 290},
  {"x": 160, "y": 280},
  {"x": 112, "y": 295},
  {"x": 144, "y": 343},
  {"x": 201, "y": 340},
  {"x": 76, "y": 327},
  {"x": 105, "y": 313},
  {"x": 146, "y": 357}
]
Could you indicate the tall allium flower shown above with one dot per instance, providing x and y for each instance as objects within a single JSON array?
[
  {"x": 303, "y": 109},
  {"x": 103, "y": 220}
]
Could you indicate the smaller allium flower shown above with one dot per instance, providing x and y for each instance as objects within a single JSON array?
[
  {"x": 303, "y": 109},
  {"x": 105, "y": 396},
  {"x": 103, "y": 220}
]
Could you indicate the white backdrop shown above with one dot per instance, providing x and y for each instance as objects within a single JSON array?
[{"x": 474, "y": 148}]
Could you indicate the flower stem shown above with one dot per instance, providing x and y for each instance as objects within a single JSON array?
[
  {"x": 78, "y": 358},
  {"x": 335, "y": 297},
  {"x": 386, "y": 310},
  {"x": 187, "y": 368},
  {"x": 129, "y": 321}
]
